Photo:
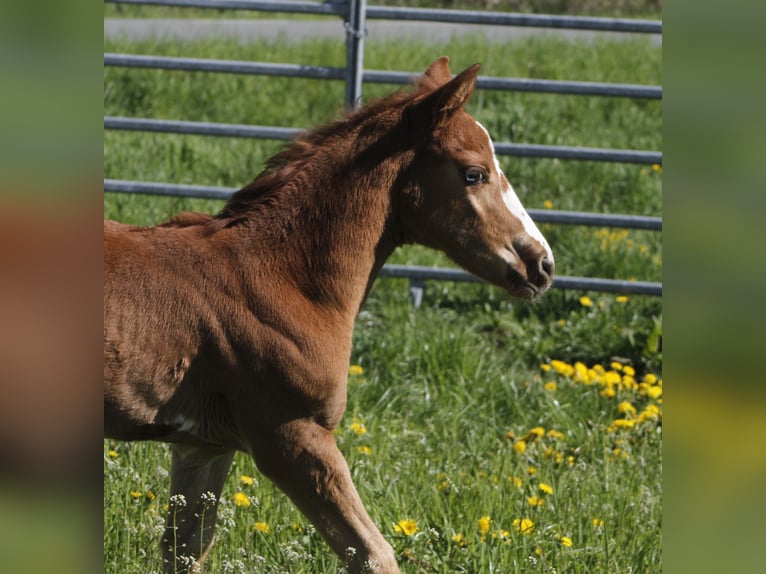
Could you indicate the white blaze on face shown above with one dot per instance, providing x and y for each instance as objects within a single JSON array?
[{"x": 513, "y": 203}]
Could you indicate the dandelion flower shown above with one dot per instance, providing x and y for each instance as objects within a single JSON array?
[
  {"x": 484, "y": 524},
  {"x": 626, "y": 408},
  {"x": 246, "y": 480},
  {"x": 553, "y": 433},
  {"x": 364, "y": 450},
  {"x": 565, "y": 541},
  {"x": 261, "y": 527},
  {"x": 112, "y": 453},
  {"x": 548, "y": 204},
  {"x": 550, "y": 386},
  {"x": 136, "y": 494},
  {"x": 535, "y": 501},
  {"x": 517, "y": 482},
  {"x": 523, "y": 525},
  {"x": 241, "y": 499},
  {"x": 621, "y": 298},
  {"x": 586, "y": 301},
  {"x": 537, "y": 432},
  {"x": 520, "y": 447},
  {"x": 408, "y": 527},
  {"x": 459, "y": 540},
  {"x": 597, "y": 522},
  {"x": 545, "y": 488},
  {"x": 355, "y": 370},
  {"x": 357, "y": 427},
  {"x": 562, "y": 368},
  {"x": 532, "y": 470}
]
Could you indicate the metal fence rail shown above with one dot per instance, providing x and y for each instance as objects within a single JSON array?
[
  {"x": 355, "y": 13},
  {"x": 340, "y": 8},
  {"x": 376, "y": 76},
  {"x": 281, "y": 133},
  {"x": 539, "y": 215}
]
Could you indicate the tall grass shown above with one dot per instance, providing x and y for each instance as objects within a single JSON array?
[{"x": 448, "y": 392}]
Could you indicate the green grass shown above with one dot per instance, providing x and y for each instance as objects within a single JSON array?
[{"x": 442, "y": 385}]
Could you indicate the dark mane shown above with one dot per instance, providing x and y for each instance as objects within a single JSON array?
[{"x": 282, "y": 169}]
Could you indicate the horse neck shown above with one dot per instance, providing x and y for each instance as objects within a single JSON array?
[{"x": 334, "y": 222}]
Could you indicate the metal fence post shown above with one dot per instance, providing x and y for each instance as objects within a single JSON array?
[{"x": 355, "y": 33}]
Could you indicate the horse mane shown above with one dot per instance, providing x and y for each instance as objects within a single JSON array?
[{"x": 281, "y": 169}]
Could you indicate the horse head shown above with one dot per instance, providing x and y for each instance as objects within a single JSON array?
[{"x": 457, "y": 198}]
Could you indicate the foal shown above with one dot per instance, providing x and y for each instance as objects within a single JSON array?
[{"x": 233, "y": 332}]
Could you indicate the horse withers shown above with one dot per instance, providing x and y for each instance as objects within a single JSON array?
[{"x": 233, "y": 332}]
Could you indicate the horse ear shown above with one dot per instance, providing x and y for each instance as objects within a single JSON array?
[
  {"x": 436, "y": 75},
  {"x": 446, "y": 99}
]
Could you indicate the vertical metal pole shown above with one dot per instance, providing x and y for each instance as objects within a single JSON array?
[{"x": 355, "y": 33}]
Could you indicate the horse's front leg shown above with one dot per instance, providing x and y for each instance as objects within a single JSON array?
[
  {"x": 302, "y": 458},
  {"x": 197, "y": 476}
]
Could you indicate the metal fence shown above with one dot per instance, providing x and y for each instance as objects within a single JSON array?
[{"x": 355, "y": 13}]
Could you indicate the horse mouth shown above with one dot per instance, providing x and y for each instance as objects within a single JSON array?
[{"x": 523, "y": 288}]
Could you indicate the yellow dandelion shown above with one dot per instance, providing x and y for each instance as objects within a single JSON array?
[
  {"x": 531, "y": 470},
  {"x": 615, "y": 366},
  {"x": 581, "y": 373},
  {"x": 628, "y": 370},
  {"x": 261, "y": 527},
  {"x": 517, "y": 482},
  {"x": 112, "y": 453},
  {"x": 510, "y": 435},
  {"x": 597, "y": 522},
  {"x": 562, "y": 368},
  {"x": 546, "y": 368},
  {"x": 650, "y": 379},
  {"x": 654, "y": 392},
  {"x": 550, "y": 386},
  {"x": 538, "y": 551},
  {"x": 484, "y": 523},
  {"x": 535, "y": 501},
  {"x": 621, "y": 298},
  {"x": 626, "y": 408},
  {"x": 357, "y": 427},
  {"x": 622, "y": 424},
  {"x": 355, "y": 370},
  {"x": 501, "y": 534},
  {"x": 459, "y": 539},
  {"x": 241, "y": 499},
  {"x": 246, "y": 480},
  {"x": 657, "y": 168},
  {"x": 520, "y": 447},
  {"x": 607, "y": 393},
  {"x": 408, "y": 527},
  {"x": 553, "y": 433},
  {"x": 586, "y": 301},
  {"x": 523, "y": 525},
  {"x": 136, "y": 494},
  {"x": 364, "y": 450},
  {"x": 564, "y": 541},
  {"x": 548, "y": 204},
  {"x": 537, "y": 432},
  {"x": 150, "y": 495},
  {"x": 545, "y": 488}
]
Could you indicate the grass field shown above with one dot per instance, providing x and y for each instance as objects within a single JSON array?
[{"x": 484, "y": 434}]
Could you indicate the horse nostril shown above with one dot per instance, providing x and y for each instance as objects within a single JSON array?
[{"x": 547, "y": 266}]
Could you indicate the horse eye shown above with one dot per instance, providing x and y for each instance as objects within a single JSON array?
[{"x": 475, "y": 176}]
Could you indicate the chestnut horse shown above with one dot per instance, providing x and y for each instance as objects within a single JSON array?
[{"x": 233, "y": 332}]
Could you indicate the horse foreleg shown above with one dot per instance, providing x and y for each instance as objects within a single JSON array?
[
  {"x": 302, "y": 459},
  {"x": 197, "y": 478}
]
